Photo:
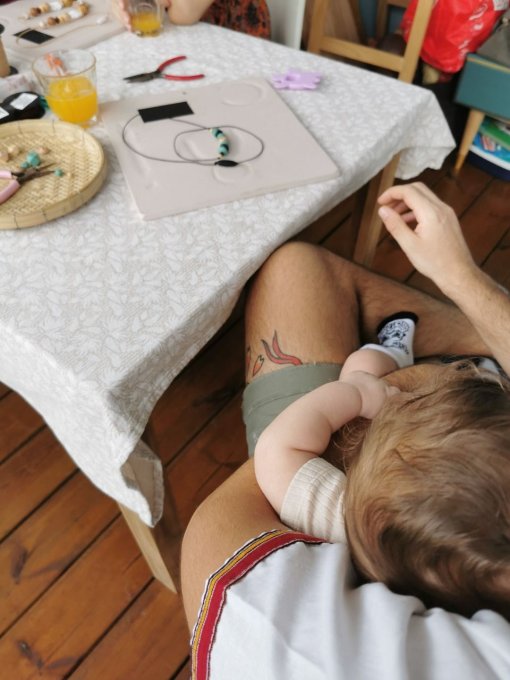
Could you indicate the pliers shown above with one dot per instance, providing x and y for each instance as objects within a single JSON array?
[
  {"x": 19, "y": 178},
  {"x": 159, "y": 73}
]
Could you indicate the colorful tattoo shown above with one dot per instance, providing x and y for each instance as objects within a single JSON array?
[
  {"x": 276, "y": 355},
  {"x": 257, "y": 365}
]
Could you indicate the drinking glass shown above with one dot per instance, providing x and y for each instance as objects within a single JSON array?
[
  {"x": 146, "y": 17},
  {"x": 68, "y": 79}
]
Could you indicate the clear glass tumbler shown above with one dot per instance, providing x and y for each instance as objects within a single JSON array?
[{"x": 68, "y": 79}]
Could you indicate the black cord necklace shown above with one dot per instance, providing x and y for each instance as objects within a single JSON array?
[{"x": 217, "y": 132}]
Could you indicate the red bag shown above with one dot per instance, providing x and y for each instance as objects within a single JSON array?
[{"x": 456, "y": 27}]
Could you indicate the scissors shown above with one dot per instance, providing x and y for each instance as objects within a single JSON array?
[
  {"x": 19, "y": 178},
  {"x": 159, "y": 73}
]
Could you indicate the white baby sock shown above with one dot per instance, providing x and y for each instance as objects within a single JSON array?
[{"x": 395, "y": 334}]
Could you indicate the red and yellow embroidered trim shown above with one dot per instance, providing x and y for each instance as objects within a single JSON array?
[{"x": 234, "y": 569}]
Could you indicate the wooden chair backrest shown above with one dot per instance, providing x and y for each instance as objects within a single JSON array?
[{"x": 404, "y": 65}]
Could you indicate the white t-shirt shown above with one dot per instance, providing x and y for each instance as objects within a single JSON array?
[{"x": 288, "y": 608}]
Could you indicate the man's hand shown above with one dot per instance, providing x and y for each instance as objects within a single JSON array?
[
  {"x": 436, "y": 246},
  {"x": 373, "y": 392}
]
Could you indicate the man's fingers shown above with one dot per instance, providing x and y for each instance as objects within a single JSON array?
[
  {"x": 409, "y": 218},
  {"x": 415, "y": 196},
  {"x": 397, "y": 227}
]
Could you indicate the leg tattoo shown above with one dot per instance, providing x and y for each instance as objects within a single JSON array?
[{"x": 276, "y": 355}]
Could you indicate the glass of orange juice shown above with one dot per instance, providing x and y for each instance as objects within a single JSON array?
[
  {"x": 68, "y": 79},
  {"x": 146, "y": 17}
]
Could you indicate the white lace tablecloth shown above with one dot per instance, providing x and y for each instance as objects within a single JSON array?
[{"x": 99, "y": 311}]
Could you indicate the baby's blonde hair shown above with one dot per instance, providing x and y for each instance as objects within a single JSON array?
[{"x": 427, "y": 502}]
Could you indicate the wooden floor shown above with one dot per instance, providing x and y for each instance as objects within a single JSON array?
[{"x": 76, "y": 599}]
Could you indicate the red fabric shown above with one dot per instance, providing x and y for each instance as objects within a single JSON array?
[{"x": 456, "y": 27}]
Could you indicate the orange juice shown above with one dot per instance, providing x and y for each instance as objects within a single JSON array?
[
  {"x": 146, "y": 23},
  {"x": 73, "y": 99}
]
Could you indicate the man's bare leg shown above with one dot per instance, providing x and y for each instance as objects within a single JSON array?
[
  {"x": 309, "y": 305},
  {"x": 300, "y": 309}
]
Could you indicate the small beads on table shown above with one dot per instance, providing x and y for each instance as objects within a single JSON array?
[{"x": 59, "y": 172}]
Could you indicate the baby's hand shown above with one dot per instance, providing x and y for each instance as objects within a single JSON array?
[{"x": 373, "y": 392}]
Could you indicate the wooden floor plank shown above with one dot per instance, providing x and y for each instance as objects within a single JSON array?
[
  {"x": 150, "y": 641},
  {"x": 199, "y": 393},
  {"x": 31, "y": 559},
  {"x": 61, "y": 627},
  {"x": 208, "y": 460},
  {"x": 184, "y": 673},
  {"x": 319, "y": 230},
  {"x": 18, "y": 421},
  {"x": 37, "y": 468},
  {"x": 497, "y": 264}
]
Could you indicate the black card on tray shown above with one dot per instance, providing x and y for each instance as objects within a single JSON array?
[{"x": 154, "y": 113}]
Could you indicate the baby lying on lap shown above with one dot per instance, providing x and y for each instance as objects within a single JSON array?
[{"x": 423, "y": 503}]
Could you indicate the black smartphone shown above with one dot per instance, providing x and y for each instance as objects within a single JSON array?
[{"x": 34, "y": 36}]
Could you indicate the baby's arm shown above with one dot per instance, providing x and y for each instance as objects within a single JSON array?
[
  {"x": 304, "y": 429},
  {"x": 369, "y": 360}
]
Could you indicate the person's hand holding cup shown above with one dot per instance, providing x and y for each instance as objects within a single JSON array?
[
  {"x": 142, "y": 17},
  {"x": 68, "y": 80}
]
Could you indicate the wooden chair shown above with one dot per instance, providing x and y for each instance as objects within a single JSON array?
[
  {"x": 366, "y": 216},
  {"x": 404, "y": 65},
  {"x": 383, "y": 7}
]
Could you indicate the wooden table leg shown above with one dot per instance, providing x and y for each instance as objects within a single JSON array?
[
  {"x": 160, "y": 545},
  {"x": 473, "y": 123},
  {"x": 369, "y": 228}
]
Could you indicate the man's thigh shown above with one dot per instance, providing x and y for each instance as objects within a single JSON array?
[
  {"x": 308, "y": 309},
  {"x": 308, "y": 305},
  {"x": 301, "y": 309}
]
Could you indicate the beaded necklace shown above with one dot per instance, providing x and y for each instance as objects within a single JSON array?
[{"x": 217, "y": 132}]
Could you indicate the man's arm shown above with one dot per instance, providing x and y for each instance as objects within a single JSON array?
[
  {"x": 233, "y": 514},
  {"x": 436, "y": 247},
  {"x": 303, "y": 430}
]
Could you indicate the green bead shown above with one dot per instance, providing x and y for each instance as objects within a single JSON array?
[{"x": 33, "y": 159}]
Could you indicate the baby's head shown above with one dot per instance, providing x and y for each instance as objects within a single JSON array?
[{"x": 427, "y": 503}]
